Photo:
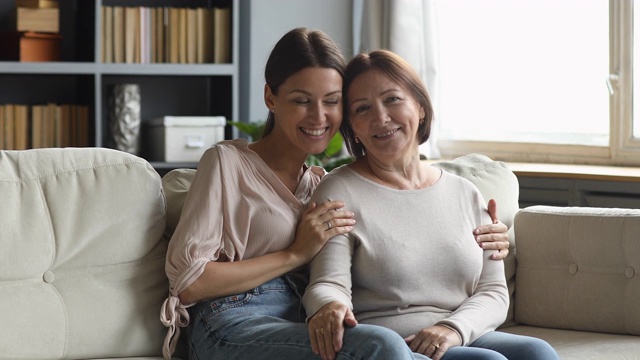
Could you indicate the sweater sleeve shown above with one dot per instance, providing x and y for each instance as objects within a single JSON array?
[
  {"x": 487, "y": 308},
  {"x": 330, "y": 270}
]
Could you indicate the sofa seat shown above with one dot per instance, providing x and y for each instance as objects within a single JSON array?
[{"x": 583, "y": 345}]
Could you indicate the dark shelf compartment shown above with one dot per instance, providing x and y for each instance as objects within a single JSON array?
[{"x": 77, "y": 28}]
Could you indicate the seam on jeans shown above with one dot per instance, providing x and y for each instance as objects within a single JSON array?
[{"x": 192, "y": 353}]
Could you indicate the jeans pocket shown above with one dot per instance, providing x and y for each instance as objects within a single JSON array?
[{"x": 220, "y": 305}]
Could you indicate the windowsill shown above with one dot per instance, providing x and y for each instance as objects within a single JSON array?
[
  {"x": 582, "y": 172},
  {"x": 570, "y": 171}
]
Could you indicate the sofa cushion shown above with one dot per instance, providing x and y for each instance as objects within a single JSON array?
[
  {"x": 496, "y": 181},
  {"x": 579, "y": 269},
  {"x": 176, "y": 185},
  {"x": 82, "y": 270},
  {"x": 583, "y": 345}
]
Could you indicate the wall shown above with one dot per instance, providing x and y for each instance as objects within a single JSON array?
[{"x": 262, "y": 23}]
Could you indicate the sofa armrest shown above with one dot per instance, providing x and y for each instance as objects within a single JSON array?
[{"x": 578, "y": 268}]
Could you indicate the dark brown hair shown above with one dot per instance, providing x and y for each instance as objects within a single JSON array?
[
  {"x": 398, "y": 70},
  {"x": 298, "y": 49}
]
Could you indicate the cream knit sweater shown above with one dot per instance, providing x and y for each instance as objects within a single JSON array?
[{"x": 411, "y": 260}]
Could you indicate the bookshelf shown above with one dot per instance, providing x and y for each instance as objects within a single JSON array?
[{"x": 81, "y": 77}]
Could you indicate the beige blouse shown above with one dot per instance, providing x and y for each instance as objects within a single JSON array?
[{"x": 236, "y": 209}]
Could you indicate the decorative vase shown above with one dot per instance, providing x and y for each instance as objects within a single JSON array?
[{"x": 124, "y": 117}]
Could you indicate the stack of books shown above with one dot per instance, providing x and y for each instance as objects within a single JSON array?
[
  {"x": 36, "y": 32},
  {"x": 43, "y": 126},
  {"x": 165, "y": 35}
]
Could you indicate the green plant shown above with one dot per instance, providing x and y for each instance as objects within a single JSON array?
[
  {"x": 253, "y": 129},
  {"x": 328, "y": 159}
]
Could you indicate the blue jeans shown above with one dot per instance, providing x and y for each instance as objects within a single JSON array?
[
  {"x": 497, "y": 345},
  {"x": 268, "y": 323}
]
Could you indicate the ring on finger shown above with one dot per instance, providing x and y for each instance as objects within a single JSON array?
[
  {"x": 329, "y": 225},
  {"x": 320, "y": 331}
]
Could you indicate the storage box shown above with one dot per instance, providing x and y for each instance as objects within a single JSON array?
[
  {"x": 181, "y": 138},
  {"x": 29, "y": 46},
  {"x": 38, "y": 19}
]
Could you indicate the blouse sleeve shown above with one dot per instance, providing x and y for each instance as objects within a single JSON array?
[{"x": 196, "y": 241}]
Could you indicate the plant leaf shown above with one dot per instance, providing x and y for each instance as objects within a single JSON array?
[
  {"x": 334, "y": 163},
  {"x": 253, "y": 129},
  {"x": 334, "y": 146}
]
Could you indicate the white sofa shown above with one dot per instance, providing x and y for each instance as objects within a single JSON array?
[{"x": 82, "y": 259}]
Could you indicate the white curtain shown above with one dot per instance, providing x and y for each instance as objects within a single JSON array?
[{"x": 408, "y": 28}]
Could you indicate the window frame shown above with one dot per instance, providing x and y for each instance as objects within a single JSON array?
[{"x": 623, "y": 149}]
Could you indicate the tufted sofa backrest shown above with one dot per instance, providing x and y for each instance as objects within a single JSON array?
[
  {"x": 579, "y": 269},
  {"x": 82, "y": 255}
]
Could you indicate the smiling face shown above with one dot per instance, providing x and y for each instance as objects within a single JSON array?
[
  {"x": 384, "y": 116},
  {"x": 307, "y": 108}
]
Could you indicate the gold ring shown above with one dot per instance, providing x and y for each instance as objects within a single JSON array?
[
  {"x": 329, "y": 225},
  {"x": 320, "y": 331},
  {"x": 436, "y": 346}
]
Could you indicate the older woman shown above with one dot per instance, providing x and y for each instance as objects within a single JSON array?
[{"x": 411, "y": 263}]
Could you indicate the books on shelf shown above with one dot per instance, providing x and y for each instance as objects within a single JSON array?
[
  {"x": 204, "y": 50},
  {"x": 21, "y": 127},
  {"x": 182, "y": 55},
  {"x": 174, "y": 35},
  {"x": 107, "y": 33},
  {"x": 118, "y": 34},
  {"x": 130, "y": 21},
  {"x": 8, "y": 127},
  {"x": 166, "y": 35},
  {"x": 221, "y": 31},
  {"x": 42, "y": 126},
  {"x": 192, "y": 35}
]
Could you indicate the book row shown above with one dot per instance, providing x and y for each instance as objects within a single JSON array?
[
  {"x": 41, "y": 126},
  {"x": 165, "y": 35}
]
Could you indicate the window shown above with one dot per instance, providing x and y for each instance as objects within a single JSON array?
[{"x": 538, "y": 80}]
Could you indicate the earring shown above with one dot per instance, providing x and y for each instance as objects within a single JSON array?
[
  {"x": 421, "y": 121},
  {"x": 357, "y": 140},
  {"x": 273, "y": 111}
]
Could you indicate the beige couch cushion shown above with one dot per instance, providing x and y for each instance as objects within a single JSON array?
[
  {"x": 82, "y": 270},
  {"x": 176, "y": 184},
  {"x": 579, "y": 269}
]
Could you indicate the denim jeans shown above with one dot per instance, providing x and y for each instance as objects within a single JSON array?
[
  {"x": 268, "y": 323},
  {"x": 497, "y": 345}
]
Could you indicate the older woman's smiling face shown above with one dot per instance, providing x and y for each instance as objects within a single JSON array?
[{"x": 384, "y": 116}]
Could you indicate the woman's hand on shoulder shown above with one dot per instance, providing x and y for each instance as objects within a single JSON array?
[
  {"x": 326, "y": 328},
  {"x": 493, "y": 236},
  {"x": 433, "y": 341},
  {"x": 318, "y": 224}
]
